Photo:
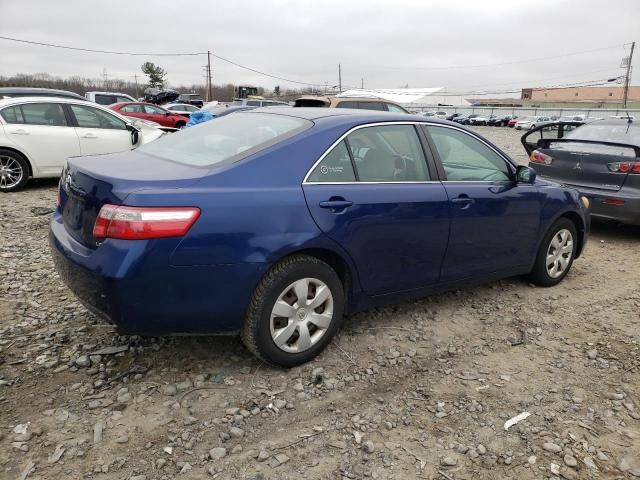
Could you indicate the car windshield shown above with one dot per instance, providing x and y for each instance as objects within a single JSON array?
[
  {"x": 226, "y": 139},
  {"x": 619, "y": 133},
  {"x": 528, "y": 119}
]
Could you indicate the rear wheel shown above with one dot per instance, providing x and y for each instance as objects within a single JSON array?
[
  {"x": 555, "y": 255},
  {"x": 14, "y": 171},
  {"x": 294, "y": 311},
  {"x": 180, "y": 124}
]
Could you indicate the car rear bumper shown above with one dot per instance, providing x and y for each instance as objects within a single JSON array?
[
  {"x": 128, "y": 284},
  {"x": 628, "y": 212}
]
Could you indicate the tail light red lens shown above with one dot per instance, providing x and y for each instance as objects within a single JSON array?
[
  {"x": 539, "y": 157},
  {"x": 140, "y": 223},
  {"x": 624, "y": 167}
]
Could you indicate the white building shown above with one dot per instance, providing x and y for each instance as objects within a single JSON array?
[{"x": 411, "y": 97}]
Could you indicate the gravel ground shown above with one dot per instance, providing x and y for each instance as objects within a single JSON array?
[{"x": 418, "y": 390}]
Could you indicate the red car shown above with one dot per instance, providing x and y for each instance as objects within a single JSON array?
[
  {"x": 513, "y": 121},
  {"x": 148, "y": 111}
]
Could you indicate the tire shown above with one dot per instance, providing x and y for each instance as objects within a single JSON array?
[
  {"x": 180, "y": 124},
  {"x": 261, "y": 326},
  {"x": 541, "y": 275},
  {"x": 14, "y": 171}
]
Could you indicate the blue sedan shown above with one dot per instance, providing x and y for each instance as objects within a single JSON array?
[{"x": 275, "y": 223}]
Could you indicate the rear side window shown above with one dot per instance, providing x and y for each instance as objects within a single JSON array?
[
  {"x": 466, "y": 158},
  {"x": 132, "y": 109},
  {"x": 253, "y": 103},
  {"x": 347, "y": 105},
  {"x": 335, "y": 167},
  {"x": 227, "y": 139},
  {"x": 106, "y": 99},
  {"x": 12, "y": 115},
  {"x": 44, "y": 114}
]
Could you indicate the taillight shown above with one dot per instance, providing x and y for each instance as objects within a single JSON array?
[
  {"x": 139, "y": 223},
  {"x": 539, "y": 157},
  {"x": 624, "y": 167}
]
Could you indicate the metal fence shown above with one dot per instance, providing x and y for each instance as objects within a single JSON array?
[{"x": 530, "y": 111}]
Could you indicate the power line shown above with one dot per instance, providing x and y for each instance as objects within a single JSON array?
[
  {"x": 112, "y": 52},
  {"x": 539, "y": 59}
]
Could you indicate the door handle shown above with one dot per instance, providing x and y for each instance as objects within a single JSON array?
[
  {"x": 335, "y": 204},
  {"x": 89, "y": 135},
  {"x": 464, "y": 201},
  {"x": 20, "y": 131}
]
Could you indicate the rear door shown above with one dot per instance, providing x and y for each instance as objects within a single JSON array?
[
  {"x": 43, "y": 132},
  {"x": 375, "y": 196},
  {"x": 494, "y": 220},
  {"x": 99, "y": 131}
]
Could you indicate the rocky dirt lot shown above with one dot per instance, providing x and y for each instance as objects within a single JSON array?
[{"x": 419, "y": 390}]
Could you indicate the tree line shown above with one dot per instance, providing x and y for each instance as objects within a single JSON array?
[{"x": 80, "y": 85}]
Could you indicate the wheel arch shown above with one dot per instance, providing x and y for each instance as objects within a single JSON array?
[
  {"x": 580, "y": 228},
  {"x": 15, "y": 150},
  {"x": 336, "y": 261}
]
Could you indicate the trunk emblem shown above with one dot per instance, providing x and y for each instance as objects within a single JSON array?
[
  {"x": 577, "y": 166},
  {"x": 67, "y": 182}
]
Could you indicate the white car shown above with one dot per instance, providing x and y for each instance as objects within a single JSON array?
[
  {"x": 480, "y": 119},
  {"x": 182, "y": 108},
  {"x": 528, "y": 123},
  {"x": 38, "y": 134},
  {"x": 107, "y": 98},
  {"x": 442, "y": 115}
]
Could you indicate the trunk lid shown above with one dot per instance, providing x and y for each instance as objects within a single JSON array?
[
  {"x": 585, "y": 162},
  {"x": 87, "y": 183}
]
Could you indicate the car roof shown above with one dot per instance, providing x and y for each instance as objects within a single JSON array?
[
  {"x": 348, "y": 115},
  {"x": 109, "y": 93},
  {"x": 13, "y": 100},
  {"x": 166, "y": 105},
  {"x": 613, "y": 122}
]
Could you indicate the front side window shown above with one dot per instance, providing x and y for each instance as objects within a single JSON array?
[
  {"x": 12, "y": 115},
  {"x": 253, "y": 103},
  {"x": 335, "y": 167},
  {"x": 347, "y": 105},
  {"x": 466, "y": 158},
  {"x": 228, "y": 139},
  {"x": 395, "y": 108},
  {"x": 388, "y": 153},
  {"x": 153, "y": 110},
  {"x": 89, "y": 117},
  {"x": 44, "y": 114}
]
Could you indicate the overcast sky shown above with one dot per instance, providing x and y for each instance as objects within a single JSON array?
[{"x": 389, "y": 44}]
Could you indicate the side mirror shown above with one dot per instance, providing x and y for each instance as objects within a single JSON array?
[
  {"x": 135, "y": 133},
  {"x": 525, "y": 174}
]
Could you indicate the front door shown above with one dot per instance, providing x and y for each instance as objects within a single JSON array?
[
  {"x": 43, "y": 133},
  {"x": 494, "y": 219},
  {"x": 373, "y": 194},
  {"x": 100, "y": 132}
]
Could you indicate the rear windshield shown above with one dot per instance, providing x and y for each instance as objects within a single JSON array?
[
  {"x": 622, "y": 133},
  {"x": 225, "y": 139}
]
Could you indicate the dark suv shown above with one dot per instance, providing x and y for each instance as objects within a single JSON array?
[{"x": 191, "y": 99}]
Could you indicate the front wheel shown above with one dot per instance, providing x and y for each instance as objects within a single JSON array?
[
  {"x": 294, "y": 311},
  {"x": 555, "y": 255}
]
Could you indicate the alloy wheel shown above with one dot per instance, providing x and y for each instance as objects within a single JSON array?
[
  {"x": 11, "y": 172},
  {"x": 559, "y": 253},
  {"x": 301, "y": 315}
]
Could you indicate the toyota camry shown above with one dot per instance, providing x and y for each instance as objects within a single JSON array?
[{"x": 275, "y": 223}]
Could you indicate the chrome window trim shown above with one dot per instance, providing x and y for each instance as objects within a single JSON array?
[{"x": 378, "y": 124}]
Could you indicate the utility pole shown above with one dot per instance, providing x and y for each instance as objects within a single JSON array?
[
  {"x": 209, "y": 89},
  {"x": 627, "y": 79},
  {"x": 362, "y": 83},
  {"x": 339, "y": 79},
  {"x": 104, "y": 78},
  {"x": 135, "y": 76}
]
